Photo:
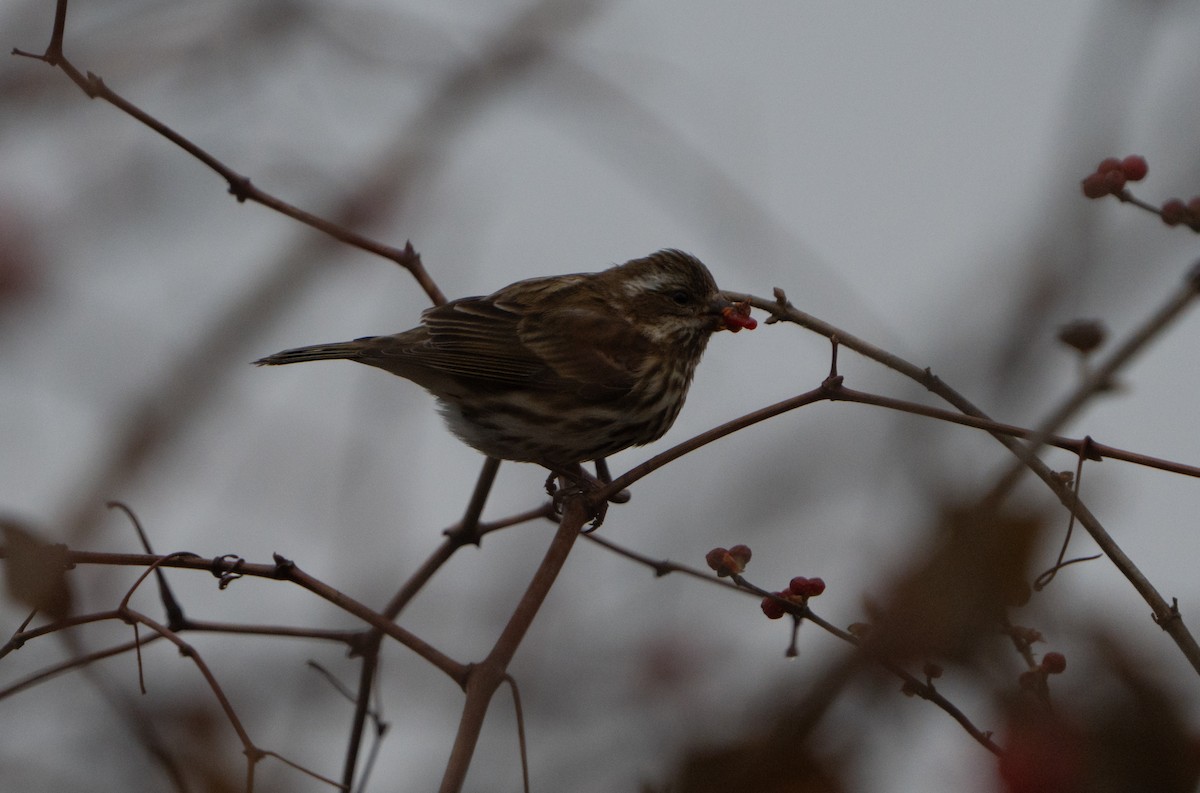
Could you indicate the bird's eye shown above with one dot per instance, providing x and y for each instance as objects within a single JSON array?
[{"x": 681, "y": 297}]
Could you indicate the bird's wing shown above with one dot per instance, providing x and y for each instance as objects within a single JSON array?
[
  {"x": 540, "y": 335},
  {"x": 478, "y": 339},
  {"x": 597, "y": 349}
]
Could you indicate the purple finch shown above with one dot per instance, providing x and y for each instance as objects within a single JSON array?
[{"x": 559, "y": 370}]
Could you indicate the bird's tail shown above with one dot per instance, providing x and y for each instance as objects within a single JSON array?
[{"x": 351, "y": 350}]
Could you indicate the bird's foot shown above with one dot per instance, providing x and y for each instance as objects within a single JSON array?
[{"x": 580, "y": 484}]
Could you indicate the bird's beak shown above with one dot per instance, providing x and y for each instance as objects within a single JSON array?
[{"x": 733, "y": 316}]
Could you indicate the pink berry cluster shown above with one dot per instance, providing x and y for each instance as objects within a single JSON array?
[
  {"x": 798, "y": 591},
  {"x": 1112, "y": 174}
]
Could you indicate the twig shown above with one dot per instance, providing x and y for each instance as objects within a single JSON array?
[
  {"x": 1164, "y": 614},
  {"x": 486, "y": 676}
]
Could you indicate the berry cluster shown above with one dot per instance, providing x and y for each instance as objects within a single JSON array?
[
  {"x": 798, "y": 591},
  {"x": 1111, "y": 175}
]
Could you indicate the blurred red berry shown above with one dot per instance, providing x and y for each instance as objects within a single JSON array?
[
  {"x": 1093, "y": 186},
  {"x": 806, "y": 587},
  {"x": 740, "y": 554},
  {"x": 1054, "y": 663},
  {"x": 1044, "y": 755},
  {"x": 1173, "y": 212},
  {"x": 1108, "y": 164},
  {"x": 773, "y": 608},
  {"x": 1114, "y": 181},
  {"x": 1134, "y": 167}
]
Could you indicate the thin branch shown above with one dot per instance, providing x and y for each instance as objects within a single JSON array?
[
  {"x": 510, "y": 56},
  {"x": 659, "y": 460},
  {"x": 838, "y": 679},
  {"x": 486, "y": 676},
  {"x": 239, "y": 185},
  {"x": 46, "y": 673},
  {"x": 519, "y": 712},
  {"x": 282, "y": 570},
  {"x": 1080, "y": 446},
  {"x": 1104, "y": 375},
  {"x": 1166, "y": 615}
]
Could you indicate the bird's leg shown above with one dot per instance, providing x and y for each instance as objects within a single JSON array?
[
  {"x": 619, "y": 497},
  {"x": 577, "y": 482}
]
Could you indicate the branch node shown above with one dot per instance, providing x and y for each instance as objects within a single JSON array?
[
  {"x": 1172, "y": 616},
  {"x": 239, "y": 188},
  {"x": 784, "y": 306},
  {"x": 93, "y": 86},
  {"x": 283, "y": 566},
  {"x": 409, "y": 257}
]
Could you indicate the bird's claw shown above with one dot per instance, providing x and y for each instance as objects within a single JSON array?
[{"x": 580, "y": 484}]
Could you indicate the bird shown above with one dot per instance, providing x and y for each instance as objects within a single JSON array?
[{"x": 558, "y": 370}]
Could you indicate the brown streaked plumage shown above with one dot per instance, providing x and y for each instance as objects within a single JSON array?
[{"x": 558, "y": 370}]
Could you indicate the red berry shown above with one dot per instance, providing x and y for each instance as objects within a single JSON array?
[
  {"x": 806, "y": 587},
  {"x": 1054, "y": 663},
  {"x": 737, "y": 316},
  {"x": 1114, "y": 181},
  {"x": 1108, "y": 164},
  {"x": 1134, "y": 167},
  {"x": 1093, "y": 186},
  {"x": 773, "y": 608},
  {"x": 1173, "y": 212},
  {"x": 797, "y": 585}
]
